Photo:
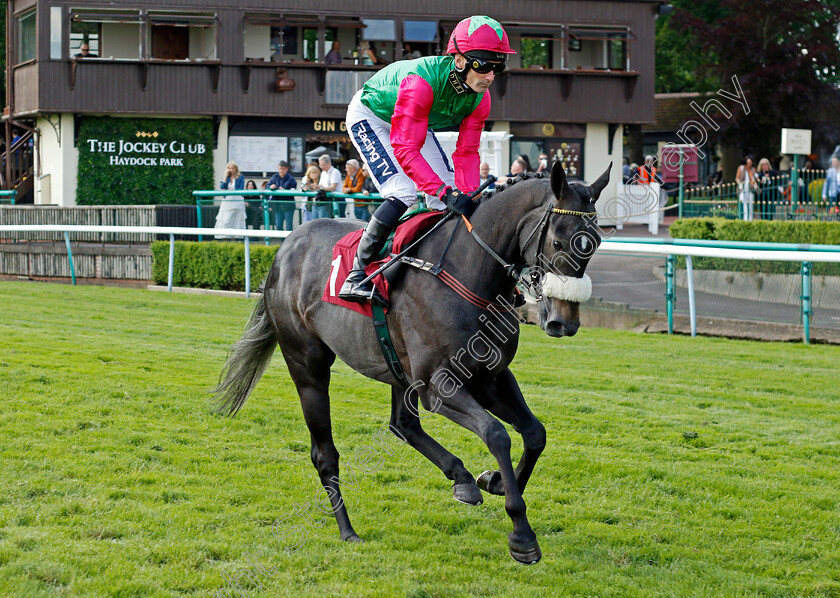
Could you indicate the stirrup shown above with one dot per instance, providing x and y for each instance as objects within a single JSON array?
[{"x": 353, "y": 290}]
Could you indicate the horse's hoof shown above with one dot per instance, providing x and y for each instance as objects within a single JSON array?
[
  {"x": 353, "y": 538},
  {"x": 469, "y": 494},
  {"x": 491, "y": 481},
  {"x": 526, "y": 553}
]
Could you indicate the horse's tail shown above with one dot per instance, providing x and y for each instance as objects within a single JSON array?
[{"x": 246, "y": 362}]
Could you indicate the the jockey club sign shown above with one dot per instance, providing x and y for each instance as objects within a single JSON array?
[{"x": 145, "y": 153}]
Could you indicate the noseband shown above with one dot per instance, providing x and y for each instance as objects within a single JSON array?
[{"x": 535, "y": 285}]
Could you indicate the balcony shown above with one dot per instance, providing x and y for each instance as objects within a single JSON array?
[{"x": 211, "y": 87}]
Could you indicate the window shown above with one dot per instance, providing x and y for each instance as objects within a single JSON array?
[
  {"x": 420, "y": 31},
  {"x": 599, "y": 48},
  {"x": 108, "y": 33},
  {"x": 27, "y": 37},
  {"x": 182, "y": 36},
  {"x": 55, "y": 32},
  {"x": 536, "y": 53},
  {"x": 379, "y": 30}
]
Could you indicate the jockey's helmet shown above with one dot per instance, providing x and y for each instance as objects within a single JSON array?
[{"x": 480, "y": 36}]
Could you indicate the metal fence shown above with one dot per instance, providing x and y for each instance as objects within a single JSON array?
[
  {"x": 803, "y": 298},
  {"x": 772, "y": 198}
]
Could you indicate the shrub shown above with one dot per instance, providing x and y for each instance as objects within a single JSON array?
[
  {"x": 211, "y": 265},
  {"x": 761, "y": 231}
]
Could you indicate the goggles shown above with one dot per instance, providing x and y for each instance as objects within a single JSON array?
[{"x": 482, "y": 66}]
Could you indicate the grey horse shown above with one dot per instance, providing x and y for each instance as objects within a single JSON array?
[{"x": 455, "y": 342}]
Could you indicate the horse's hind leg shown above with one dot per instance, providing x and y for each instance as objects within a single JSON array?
[
  {"x": 504, "y": 400},
  {"x": 405, "y": 421},
  {"x": 311, "y": 375}
]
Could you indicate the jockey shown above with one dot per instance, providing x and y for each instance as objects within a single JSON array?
[{"x": 391, "y": 122}]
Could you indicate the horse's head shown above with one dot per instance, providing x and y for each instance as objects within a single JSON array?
[{"x": 568, "y": 237}]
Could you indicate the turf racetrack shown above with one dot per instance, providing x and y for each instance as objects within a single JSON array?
[{"x": 674, "y": 466}]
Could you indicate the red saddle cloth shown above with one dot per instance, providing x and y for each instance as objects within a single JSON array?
[{"x": 345, "y": 250}]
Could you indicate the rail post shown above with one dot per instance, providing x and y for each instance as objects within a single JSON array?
[
  {"x": 171, "y": 262},
  {"x": 670, "y": 296},
  {"x": 198, "y": 217},
  {"x": 247, "y": 267},
  {"x": 692, "y": 310},
  {"x": 806, "y": 302},
  {"x": 70, "y": 256},
  {"x": 265, "y": 215}
]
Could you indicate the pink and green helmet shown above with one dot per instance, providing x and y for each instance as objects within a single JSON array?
[{"x": 478, "y": 33}]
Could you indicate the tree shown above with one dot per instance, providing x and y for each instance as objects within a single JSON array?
[
  {"x": 678, "y": 64},
  {"x": 785, "y": 55}
]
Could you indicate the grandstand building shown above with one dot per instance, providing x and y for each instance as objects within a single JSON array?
[{"x": 246, "y": 81}]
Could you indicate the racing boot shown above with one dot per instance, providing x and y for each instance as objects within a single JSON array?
[{"x": 383, "y": 221}]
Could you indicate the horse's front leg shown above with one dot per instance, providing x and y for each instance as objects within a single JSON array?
[
  {"x": 453, "y": 401},
  {"x": 405, "y": 422},
  {"x": 503, "y": 399}
]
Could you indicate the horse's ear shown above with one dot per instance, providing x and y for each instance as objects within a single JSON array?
[
  {"x": 600, "y": 183},
  {"x": 558, "y": 179}
]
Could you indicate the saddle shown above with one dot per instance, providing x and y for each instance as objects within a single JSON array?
[{"x": 410, "y": 228}]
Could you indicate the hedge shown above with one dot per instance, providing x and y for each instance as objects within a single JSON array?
[
  {"x": 762, "y": 231},
  {"x": 211, "y": 265},
  {"x": 172, "y": 178}
]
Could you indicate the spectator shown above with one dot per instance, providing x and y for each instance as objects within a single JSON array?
[
  {"x": 626, "y": 171},
  {"x": 232, "y": 209},
  {"x": 328, "y": 183},
  {"x": 765, "y": 179},
  {"x": 284, "y": 207},
  {"x": 408, "y": 54},
  {"x": 484, "y": 173},
  {"x": 543, "y": 166},
  {"x": 309, "y": 183},
  {"x": 831, "y": 187},
  {"x": 251, "y": 184},
  {"x": 518, "y": 166},
  {"x": 646, "y": 173},
  {"x": 84, "y": 51},
  {"x": 334, "y": 55},
  {"x": 369, "y": 188},
  {"x": 370, "y": 56},
  {"x": 526, "y": 161},
  {"x": 353, "y": 183},
  {"x": 745, "y": 177}
]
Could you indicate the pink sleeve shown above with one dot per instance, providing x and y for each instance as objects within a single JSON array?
[
  {"x": 465, "y": 159},
  {"x": 409, "y": 126}
]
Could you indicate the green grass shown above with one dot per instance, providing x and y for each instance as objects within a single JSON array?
[{"x": 674, "y": 466}]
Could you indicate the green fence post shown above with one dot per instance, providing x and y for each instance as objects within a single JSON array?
[
  {"x": 198, "y": 216},
  {"x": 70, "y": 257},
  {"x": 682, "y": 184},
  {"x": 806, "y": 302},
  {"x": 14, "y": 195},
  {"x": 265, "y": 215},
  {"x": 670, "y": 295}
]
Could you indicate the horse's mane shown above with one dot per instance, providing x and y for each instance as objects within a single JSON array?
[{"x": 578, "y": 185}]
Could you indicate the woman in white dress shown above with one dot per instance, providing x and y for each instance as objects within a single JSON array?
[
  {"x": 232, "y": 209},
  {"x": 745, "y": 177}
]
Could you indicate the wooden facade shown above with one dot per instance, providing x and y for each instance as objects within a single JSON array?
[{"x": 54, "y": 82}]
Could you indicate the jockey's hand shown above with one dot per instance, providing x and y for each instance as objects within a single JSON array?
[{"x": 458, "y": 202}]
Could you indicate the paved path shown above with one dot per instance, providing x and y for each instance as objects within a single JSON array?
[{"x": 633, "y": 280}]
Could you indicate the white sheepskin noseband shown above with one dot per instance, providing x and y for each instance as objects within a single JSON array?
[{"x": 576, "y": 290}]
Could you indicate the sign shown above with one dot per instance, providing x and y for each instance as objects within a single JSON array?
[
  {"x": 258, "y": 153},
  {"x": 669, "y": 166},
  {"x": 796, "y": 141},
  {"x": 144, "y": 153}
]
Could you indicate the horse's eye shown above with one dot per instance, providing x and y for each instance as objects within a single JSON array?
[{"x": 558, "y": 245}]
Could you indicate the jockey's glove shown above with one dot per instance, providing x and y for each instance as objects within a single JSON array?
[{"x": 458, "y": 202}]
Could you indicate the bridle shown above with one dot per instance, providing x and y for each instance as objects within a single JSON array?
[{"x": 534, "y": 285}]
